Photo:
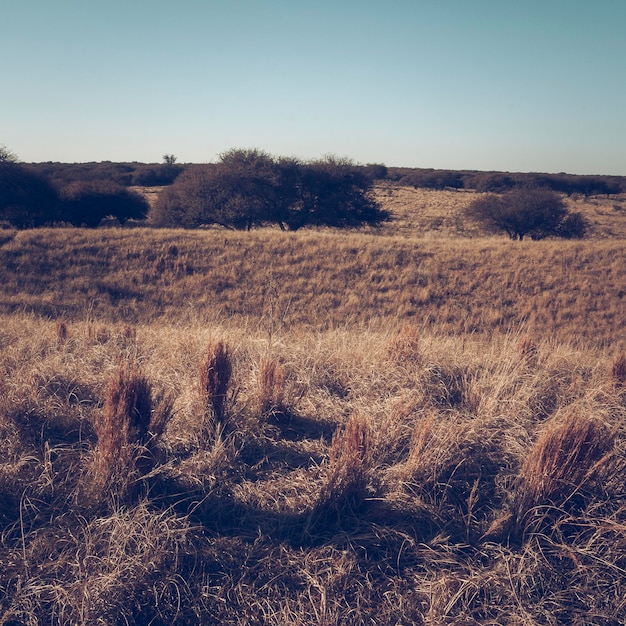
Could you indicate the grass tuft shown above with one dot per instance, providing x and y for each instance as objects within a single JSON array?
[
  {"x": 271, "y": 387},
  {"x": 345, "y": 484},
  {"x": 125, "y": 430},
  {"x": 568, "y": 463},
  {"x": 215, "y": 374}
]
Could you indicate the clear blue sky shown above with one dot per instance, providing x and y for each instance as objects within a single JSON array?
[{"x": 533, "y": 85}]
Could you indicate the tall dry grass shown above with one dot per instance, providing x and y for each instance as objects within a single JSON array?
[
  {"x": 428, "y": 478},
  {"x": 311, "y": 428},
  {"x": 281, "y": 281},
  {"x": 215, "y": 375}
]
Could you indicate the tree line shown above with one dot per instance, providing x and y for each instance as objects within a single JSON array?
[
  {"x": 500, "y": 182},
  {"x": 165, "y": 173},
  {"x": 248, "y": 188}
]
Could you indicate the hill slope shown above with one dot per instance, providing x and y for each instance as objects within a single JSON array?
[{"x": 573, "y": 290}]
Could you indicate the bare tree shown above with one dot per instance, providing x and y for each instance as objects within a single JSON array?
[{"x": 6, "y": 156}]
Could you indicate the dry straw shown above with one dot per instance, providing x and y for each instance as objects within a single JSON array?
[
  {"x": 618, "y": 371},
  {"x": 128, "y": 431},
  {"x": 345, "y": 486},
  {"x": 271, "y": 387},
  {"x": 122, "y": 427},
  {"x": 570, "y": 458}
]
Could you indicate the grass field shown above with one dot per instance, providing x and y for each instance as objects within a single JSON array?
[{"x": 400, "y": 427}]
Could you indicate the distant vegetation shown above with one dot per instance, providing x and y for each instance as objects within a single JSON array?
[
  {"x": 249, "y": 188},
  {"x": 533, "y": 211},
  {"x": 499, "y": 182}
]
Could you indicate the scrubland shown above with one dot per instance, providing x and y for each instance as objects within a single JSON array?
[{"x": 311, "y": 428}]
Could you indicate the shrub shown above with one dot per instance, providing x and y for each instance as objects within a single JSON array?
[
  {"x": 88, "y": 203},
  {"x": 249, "y": 188},
  {"x": 27, "y": 200},
  {"x": 156, "y": 175}
]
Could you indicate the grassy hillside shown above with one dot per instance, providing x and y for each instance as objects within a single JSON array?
[
  {"x": 573, "y": 290},
  {"x": 312, "y": 428},
  {"x": 428, "y": 213}
]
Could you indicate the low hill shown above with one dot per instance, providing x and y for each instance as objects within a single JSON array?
[{"x": 570, "y": 290}]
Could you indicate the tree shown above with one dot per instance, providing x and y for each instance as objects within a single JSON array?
[
  {"x": 249, "y": 188},
  {"x": 6, "y": 156},
  {"x": 239, "y": 192},
  {"x": 331, "y": 192},
  {"x": 522, "y": 211},
  {"x": 169, "y": 159}
]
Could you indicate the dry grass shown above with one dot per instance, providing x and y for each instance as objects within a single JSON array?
[
  {"x": 567, "y": 467},
  {"x": 272, "y": 381},
  {"x": 573, "y": 291},
  {"x": 311, "y": 428},
  {"x": 481, "y": 481},
  {"x": 439, "y": 214},
  {"x": 215, "y": 373}
]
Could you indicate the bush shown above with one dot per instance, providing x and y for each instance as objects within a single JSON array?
[
  {"x": 88, "y": 203},
  {"x": 156, "y": 175},
  {"x": 26, "y": 199},
  {"x": 522, "y": 211}
]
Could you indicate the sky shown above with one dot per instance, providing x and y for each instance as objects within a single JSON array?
[{"x": 506, "y": 85}]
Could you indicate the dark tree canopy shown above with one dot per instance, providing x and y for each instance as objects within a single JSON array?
[
  {"x": 27, "y": 200},
  {"x": 88, "y": 203},
  {"x": 533, "y": 211},
  {"x": 249, "y": 188}
]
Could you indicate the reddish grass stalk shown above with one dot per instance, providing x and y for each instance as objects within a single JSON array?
[
  {"x": 215, "y": 374},
  {"x": 566, "y": 457},
  {"x": 347, "y": 479},
  {"x": 123, "y": 427},
  {"x": 272, "y": 377}
]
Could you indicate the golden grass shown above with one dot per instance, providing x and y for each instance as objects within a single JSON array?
[
  {"x": 481, "y": 480},
  {"x": 311, "y": 428},
  {"x": 281, "y": 281},
  {"x": 439, "y": 214}
]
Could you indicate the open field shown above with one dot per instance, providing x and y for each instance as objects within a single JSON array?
[
  {"x": 337, "y": 477},
  {"x": 571, "y": 290},
  {"x": 217, "y": 427},
  {"x": 427, "y": 213}
]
